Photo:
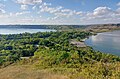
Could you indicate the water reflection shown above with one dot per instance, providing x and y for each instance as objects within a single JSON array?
[
  {"x": 96, "y": 38},
  {"x": 22, "y": 30},
  {"x": 108, "y": 42}
]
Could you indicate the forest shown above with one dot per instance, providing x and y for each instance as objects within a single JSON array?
[{"x": 53, "y": 51}]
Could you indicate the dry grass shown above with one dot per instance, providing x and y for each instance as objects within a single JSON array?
[{"x": 24, "y": 72}]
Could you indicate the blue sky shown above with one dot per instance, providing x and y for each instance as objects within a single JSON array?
[{"x": 76, "y": 12}]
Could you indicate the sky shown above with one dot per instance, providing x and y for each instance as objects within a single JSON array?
[{"x": 59, "y": 12}]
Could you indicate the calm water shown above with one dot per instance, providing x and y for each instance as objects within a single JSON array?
[
  {"x": 108, "y": 42},
  {"x": 22, "y": 30}
]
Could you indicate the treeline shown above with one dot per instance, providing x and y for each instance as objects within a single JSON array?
[
  {"x": 14, "y": 46},
  {"x": 56, "y": 27}
]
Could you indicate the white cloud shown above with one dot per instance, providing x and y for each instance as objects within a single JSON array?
[
  {"x": 102, "y": 11},
  {"x": 101, "y": 15},
  {"x": 29, "y": 2},
  {"x": 24, "y": 7},
  {"x": 54, "y": 18},
  {"x": 18, "y": 14},
  {"x": 34, "y": 7},
  {"x": 47, "y": 4},
  {"x": 65, "y": 10},
  {"x": 58, "y": 11},
  {"x": 3, "y": 16},
  {"x": 25, "y": 3},
  {"x": 45, "y": 8},
  {"x": 22, "y": 13},
  {"x": 59, "y": 14},
  {"x": 2, "y": 5},
  {"x": 1, "y": 8},
  {"x": 118, "y": 10},
  {"x": 118, "y": 4},
  {"x": 2, "y": 11},
  {"x": 79, "y": 13}
]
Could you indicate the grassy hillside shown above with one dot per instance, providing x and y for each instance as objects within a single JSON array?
[
  {"x": 98, "y": 70},
  {"x": 49, "y": 55},
  {"x": 26, "y": 72}
]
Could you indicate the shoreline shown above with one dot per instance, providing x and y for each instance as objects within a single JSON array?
[
  {"x": 78, "y": 43},
  {"x": 106, "y": 52}
]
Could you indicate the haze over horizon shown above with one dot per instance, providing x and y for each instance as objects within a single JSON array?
[{"x": 62, "y": 12}]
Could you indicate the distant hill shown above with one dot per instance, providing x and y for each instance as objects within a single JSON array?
[
  {"x": 103, "y": 27},
  {"x": 25, "y": 26},
  {"x": 57, "y": 27},
  {"x": 94, "y": 28}
]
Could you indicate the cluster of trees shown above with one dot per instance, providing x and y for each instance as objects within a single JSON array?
[
  {"x": 53, "y": 50},
  {"x": 72, "y": 57},
  {"x": 14, "y": 46}
]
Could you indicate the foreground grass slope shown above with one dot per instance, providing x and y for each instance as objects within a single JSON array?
[
  {"x": 73, "y": 66},
  {"x": 97, "y": 70},
  {"x": 26, "y": 72}
]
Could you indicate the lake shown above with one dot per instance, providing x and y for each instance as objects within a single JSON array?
[
  {"x": 107, "y": 42},
  {"x": 22, "y": 29}
]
